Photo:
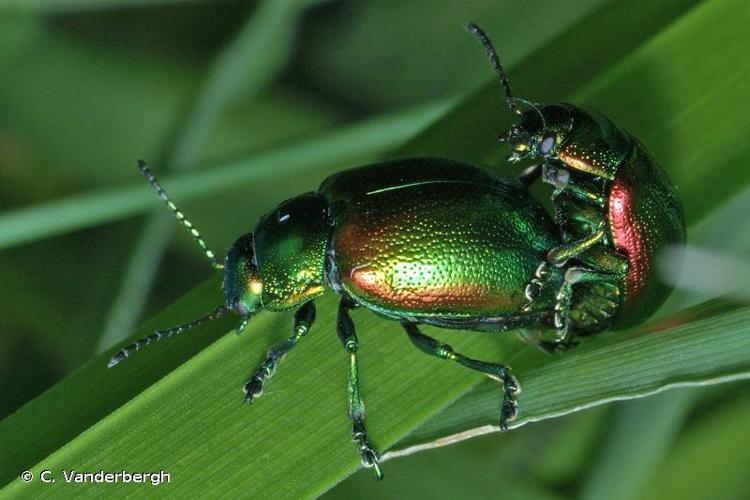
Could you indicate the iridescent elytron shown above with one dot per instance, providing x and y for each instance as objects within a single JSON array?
[
  {"x": 614, "y": 205},
  {"x": 445, "y": 243},
  {"x": 419, "y": 240}
]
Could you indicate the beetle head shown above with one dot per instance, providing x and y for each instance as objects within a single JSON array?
[
  {"x": 541, "y": 129},
  {"x": 539, "y": 133}
]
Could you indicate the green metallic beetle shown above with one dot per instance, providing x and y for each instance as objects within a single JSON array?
[
  {"x": 426, "y": 241},
  {"x": 614, "y": 205}
]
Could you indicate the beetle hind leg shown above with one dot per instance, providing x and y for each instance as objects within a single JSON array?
[
  {"x": 345, "y": 329},
  {"x": 303, "y": 320},
  {"x": 586, "y": 303},
  {"x": 511, "y": 387},
  {"x": 540, "y": 285},
  {"x": 595, "y": 306}
]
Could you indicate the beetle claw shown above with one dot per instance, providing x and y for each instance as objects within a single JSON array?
[
  {"x": 508, "y": 413},
  {"x": 253, "y": 389}
]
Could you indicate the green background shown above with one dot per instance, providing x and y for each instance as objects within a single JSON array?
[{"x": 239, "y": 105}]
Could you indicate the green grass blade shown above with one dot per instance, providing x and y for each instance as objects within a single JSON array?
[
  {"x": 106, "y": 205},
  {"x": 700, "y": 352}
]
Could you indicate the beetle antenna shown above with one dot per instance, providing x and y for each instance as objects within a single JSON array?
[
  {"x": 480, "y": 35},
  {"x": 160, "y": 334},
  {"x": 146, "y": 171}
]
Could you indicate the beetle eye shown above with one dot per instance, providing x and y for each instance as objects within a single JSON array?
[{"x": 547, "y": 144}]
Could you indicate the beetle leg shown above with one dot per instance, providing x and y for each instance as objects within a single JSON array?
[
  {"x": 605, "y": 259},
  {"x": 303, "y": 320},
  {"x": 574, "y": 184},
  {"x": 535, "y": 287},
  {"x": 555, "y": 175},
  {"x": 509, "y": 408},
  {"x": 241, "y": 327},
  {"x": 345, "y": 329},
  {"x": 564, "y": 336},
  {"x": 576, "y": 218},
  {"x": 585, "y": 194},
  {"x": 588, "y": 314},
  {"x": 561, "y": 254}
]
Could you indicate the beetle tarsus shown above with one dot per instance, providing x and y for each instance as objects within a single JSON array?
[
  {"x": 253, "y": 388},
  {"x": 509, "y": 407},
  {"x": 370, "y": 457},
  {"x": 535, "y": 287},
  {"x": 117, "y": 358}
]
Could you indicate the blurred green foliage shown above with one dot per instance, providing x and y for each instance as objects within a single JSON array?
[{"x": 88, "y": 87}]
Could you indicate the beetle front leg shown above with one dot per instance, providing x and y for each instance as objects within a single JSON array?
[
  {"x": 303, "y": 320},
  {"x": 509, "y": 407},
  {"x": 574, "y": 184},
  {"x": 348, "y": 336}
]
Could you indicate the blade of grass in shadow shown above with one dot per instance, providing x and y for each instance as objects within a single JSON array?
[
  {"x": 710, "y": 458},
  {"x": 297, "y": 441},
  {"x": 641, "y": 435},
  {"x": 363, "y": 139},
  {"x": 252, "y": 59},
  {"x": 61, "y": 6}
]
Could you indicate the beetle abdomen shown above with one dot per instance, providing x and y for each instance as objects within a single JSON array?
[
  {"x": 644, "y": 218},
  {"x": 442, "y": 249}
]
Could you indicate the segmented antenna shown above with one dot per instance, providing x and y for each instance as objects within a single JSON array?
[
  {"x": 160, "y": 334},
  {"x": 487, "y": 44},
  {"x": 146, "y": 171}
]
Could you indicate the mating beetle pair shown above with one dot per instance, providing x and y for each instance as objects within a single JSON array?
[{"x": 444, "y": 243}]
